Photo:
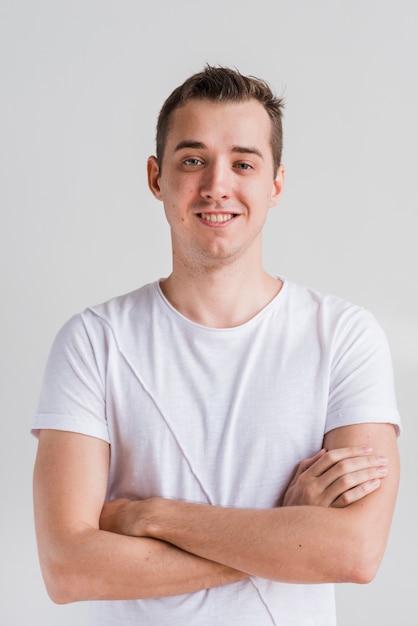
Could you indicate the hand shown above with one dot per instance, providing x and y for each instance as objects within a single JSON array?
[
  {"x": 335, "y": 478},
  {"x": 120, "y": 516}
]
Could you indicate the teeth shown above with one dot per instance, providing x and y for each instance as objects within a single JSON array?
[{"x": 216, "y": 217}]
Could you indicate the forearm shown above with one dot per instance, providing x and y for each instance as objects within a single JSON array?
[
  {"x": 98, "y": 565},
  {"x": 290, "y": 544},
  {"x": 307, "y": 544},
  {"x": 81, "y": 561}
]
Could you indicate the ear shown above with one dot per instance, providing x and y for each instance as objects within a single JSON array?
[
  {"x": 153, "y": 172},
  {"x": 278, "y": 184}
]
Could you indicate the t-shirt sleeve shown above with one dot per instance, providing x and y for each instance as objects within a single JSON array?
[
  {"x": 72, "y": 394},
  {"x": 362, "y": 383}
]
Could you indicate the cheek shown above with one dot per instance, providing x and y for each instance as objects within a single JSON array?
[
  {"x": 174, "y": 214},
  {"x": 260, "y": 197},
  {"x": 177, "y": 193}
]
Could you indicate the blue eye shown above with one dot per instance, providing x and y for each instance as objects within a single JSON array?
[
  {"x": 192, "y": 162},
  {"x": 243, "y": 166}
]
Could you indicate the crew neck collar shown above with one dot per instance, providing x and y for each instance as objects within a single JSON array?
[{"x": 252, "y": 321}]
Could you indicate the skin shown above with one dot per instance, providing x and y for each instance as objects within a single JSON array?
[
  {"x": 294, "y": 544},
  {"x": 217, "y": 187},
  {"x": 218, "y": 178}
]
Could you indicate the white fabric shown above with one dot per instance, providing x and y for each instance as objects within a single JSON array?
[{"x": 219, "y": 416}]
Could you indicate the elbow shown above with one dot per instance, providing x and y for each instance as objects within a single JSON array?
[
  {"x": 67, "y": 571},
  {"x": 58, "y": 596},
  {"x": 363, "y": 574},
  {"x": 59, "y": 588},
  {"x": 62, "y": 584},
  {"x": 360, "y": 551},
  {"x": 362, "y": 564}
]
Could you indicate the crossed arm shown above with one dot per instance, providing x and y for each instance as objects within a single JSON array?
[{"x": 332, "y": 525}]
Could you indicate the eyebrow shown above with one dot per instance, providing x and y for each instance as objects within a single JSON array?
[
  {"x": 199, "y": 145},
  {"x": 247, "y": 150},
  {"x": 196, "y": 145}
]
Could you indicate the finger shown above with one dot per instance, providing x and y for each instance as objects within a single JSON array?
[
  {"x": 341, "y": 478},
  {"x": 348, "y": 482},
  {"x": 309, "y": 462},
  {"x": 347, "y": 471},
  {"x": 305, "y": 465},
  {"x": 357, "y": 493},
  {"x": 337, "y": 455}
]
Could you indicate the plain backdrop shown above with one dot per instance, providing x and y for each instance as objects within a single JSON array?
[{"x": 82, "y": 82}]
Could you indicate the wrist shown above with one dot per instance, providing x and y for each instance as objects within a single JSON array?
[
  {"x": 141, "y": 518},
  {"x": 155, "y": 516}
]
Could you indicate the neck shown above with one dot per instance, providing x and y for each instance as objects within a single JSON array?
[{"x": 221, "y": 298}]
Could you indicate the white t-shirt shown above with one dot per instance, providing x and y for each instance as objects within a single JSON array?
[{"x": 220, "y": 416}]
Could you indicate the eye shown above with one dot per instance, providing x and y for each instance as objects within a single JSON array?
[
  {"x": 243, "y": 166},
  {"x": 193, "y": 162}
]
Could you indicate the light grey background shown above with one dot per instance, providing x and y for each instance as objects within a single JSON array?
[{"x": 82, "y": 82}]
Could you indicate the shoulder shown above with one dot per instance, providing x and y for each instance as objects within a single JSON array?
[
  {"x": 330, "y": 311},
  {"x": 123, "y": 307},
  {"x": 347, "y": 332},
  {"x": 91, "y": 329}
]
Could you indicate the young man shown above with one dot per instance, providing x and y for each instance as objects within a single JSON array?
[{"x": 173, "y": 421}]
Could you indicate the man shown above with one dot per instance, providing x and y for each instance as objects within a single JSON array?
[{"x": 173, "y": 421}]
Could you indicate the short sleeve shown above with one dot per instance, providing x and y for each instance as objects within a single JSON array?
[
  {"x": 361, "y": 382},
  {"x": 72, "y": 395}
]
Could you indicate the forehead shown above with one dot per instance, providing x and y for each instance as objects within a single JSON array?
[{"x": 220, "y": 124}]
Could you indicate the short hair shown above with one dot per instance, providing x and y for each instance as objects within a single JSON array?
[{"x": 223, "y": 84}]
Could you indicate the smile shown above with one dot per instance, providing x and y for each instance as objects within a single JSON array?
[{"x": 217, "y": 217}]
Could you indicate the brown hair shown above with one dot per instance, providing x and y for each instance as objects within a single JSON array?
[{"x": 223, "y": 85}]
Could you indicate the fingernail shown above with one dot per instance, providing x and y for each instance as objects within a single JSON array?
[
  {"x": 382, "y": 459},
  {"x": 382, "y": 471}
]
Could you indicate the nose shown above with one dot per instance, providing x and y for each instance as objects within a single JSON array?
[{"x": 216, "y": 182}]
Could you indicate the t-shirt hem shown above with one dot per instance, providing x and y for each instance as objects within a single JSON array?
[
  {"x": 68, "y": 423},
  {"x": 363, "y": 415}
]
